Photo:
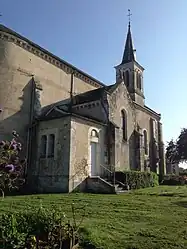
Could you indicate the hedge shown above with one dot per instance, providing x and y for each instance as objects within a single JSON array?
[
  {"x": 174, "y": 180},
  {"x": 137, "y": 179}
]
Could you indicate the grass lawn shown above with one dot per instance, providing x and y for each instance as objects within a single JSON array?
[{"x": 144, "y": 219}]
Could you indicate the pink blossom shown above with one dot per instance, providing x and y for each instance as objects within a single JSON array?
[
  {"x": 13, "y": 147},
  {"x": 13, "y": 141},
  {"x": 11, "y": 167}
]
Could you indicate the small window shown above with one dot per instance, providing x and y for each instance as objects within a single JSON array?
[
  {"x": 126, "y": 78},
  {"x": 51, "y": 145},
  {"x": 145, "y": 142},
  {"x": 43, "y": 146},
  {"x": 124, "y": 124},
  {"x": 138, "y": 81},
  {"x": 94, "y": 133},
  {"x": 154, "y": 128}
]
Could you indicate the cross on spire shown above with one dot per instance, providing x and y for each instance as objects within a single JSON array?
[
  {"x": 129, "y": 16},
  {"x": 128, "y": 55}
]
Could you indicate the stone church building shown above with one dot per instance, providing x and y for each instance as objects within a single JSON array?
[{"x": 73, "y": 126}]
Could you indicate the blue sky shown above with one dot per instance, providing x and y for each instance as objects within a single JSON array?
[{"x": 90, "y": 34}]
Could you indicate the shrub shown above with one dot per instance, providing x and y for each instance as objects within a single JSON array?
[
  {"x": 137, "y": 179},
  {"x": 174, "y": 180},
  {"x": 11, "y": 166},
  {"x": 42, "y": 229}
]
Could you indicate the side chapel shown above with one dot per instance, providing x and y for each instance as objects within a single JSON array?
[{"x": 74, "y": 126}]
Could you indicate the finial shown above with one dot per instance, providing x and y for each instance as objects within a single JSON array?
[{"x": 129, "y": 15}]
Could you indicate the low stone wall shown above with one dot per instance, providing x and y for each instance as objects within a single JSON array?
[{"x": 96, "y": 185}]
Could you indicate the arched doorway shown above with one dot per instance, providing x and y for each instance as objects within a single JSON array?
[{"x": 94, "y": 145}]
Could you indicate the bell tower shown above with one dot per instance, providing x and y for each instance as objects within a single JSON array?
[{"x": 130, "y": 71}]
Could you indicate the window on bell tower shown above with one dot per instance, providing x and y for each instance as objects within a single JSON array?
[
  {"x": 138, "y": 80},
  {"x": 126, "y": 78}
]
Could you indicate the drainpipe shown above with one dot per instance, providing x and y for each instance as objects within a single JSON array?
[
  {"x": 29, "y": 132},
  {"x": 71, "y": 92}
]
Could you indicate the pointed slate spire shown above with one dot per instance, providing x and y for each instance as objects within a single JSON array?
[{"x": 128, "y": 54}]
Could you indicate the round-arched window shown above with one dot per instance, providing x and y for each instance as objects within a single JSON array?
[
  {"x": 138, "y": 80},
  {"x": 94, "y": 133}
]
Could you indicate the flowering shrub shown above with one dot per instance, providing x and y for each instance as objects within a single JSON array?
[
  {"x": 40, "y": 228},
  {"x": 11, "y": 167}
]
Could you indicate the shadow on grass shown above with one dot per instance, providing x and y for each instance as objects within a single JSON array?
[{"x": 181, "y": 203}]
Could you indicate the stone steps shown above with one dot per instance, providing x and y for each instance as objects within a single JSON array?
[{"x": 120, "y": 188}]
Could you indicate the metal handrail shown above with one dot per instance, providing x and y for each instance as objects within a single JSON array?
[
  {"x": 110, "y": 172},
  {"x": 115, "y": 181}
]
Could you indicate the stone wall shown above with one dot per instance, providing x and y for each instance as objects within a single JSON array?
[
  {"x": 52, "y": 174},
  {"x": 20, "y": 62},
  {"x": 149, "y": 122},
  {"x": 120, "y": 100},
  {"x": 80, "y": 150}
]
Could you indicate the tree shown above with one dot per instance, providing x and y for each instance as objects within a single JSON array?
[
  {"x": 182, "y": 145},
  {"x": 176, "y": 151},
  {"x": 172, "y": 152}
]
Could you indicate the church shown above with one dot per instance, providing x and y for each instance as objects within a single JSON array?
[{"x": 75, "y": 129}]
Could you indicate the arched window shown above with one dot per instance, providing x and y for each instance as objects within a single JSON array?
[
  {"x": 94, "y": 133},
  {"x": 43, "y": 146},
  {"x": 154, "y": 127},
  {"x": 51, "y": 145},
  {"x": 138, "y": 80},
  {"x": 124, "y": 124},
  {"x": 145, "y": 142},
  {"x": 127, "y": 78},
  {"x": 94, "y": 136}
]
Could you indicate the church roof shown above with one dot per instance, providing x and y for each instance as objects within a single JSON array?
[
  {"x": 62, "y": 108},
  {"x": 61, "y": 111},
  {"x": 90, "y": 96},
  {"x": 128, "y": 55}
]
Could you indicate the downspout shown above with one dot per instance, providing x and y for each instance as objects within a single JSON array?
[
  {"x": 71, "y": 92},
  {"x": 29, "y": 132},
  {"x": 71, "y": 184}
]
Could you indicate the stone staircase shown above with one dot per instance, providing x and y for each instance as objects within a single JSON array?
[{"x": 120, "y": 188}]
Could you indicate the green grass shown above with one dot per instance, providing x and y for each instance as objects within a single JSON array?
[{"x": 144, "y": 219}]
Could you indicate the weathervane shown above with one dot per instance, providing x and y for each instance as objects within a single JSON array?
[{"x": 129, "y": 15}]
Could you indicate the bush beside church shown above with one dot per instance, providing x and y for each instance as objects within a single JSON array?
[{"x": 137, "y": 179}]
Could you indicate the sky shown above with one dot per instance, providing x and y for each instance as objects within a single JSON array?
[{"x": 90, "y": 34}]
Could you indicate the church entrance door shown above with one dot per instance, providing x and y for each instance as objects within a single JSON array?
[{"x": 93, "y": 148}]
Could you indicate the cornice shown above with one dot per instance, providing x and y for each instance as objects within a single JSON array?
[
  {"x": 9, "y": 35},
  {"x": 148, "y": 110},
  {"x": 88, "y": 105}
]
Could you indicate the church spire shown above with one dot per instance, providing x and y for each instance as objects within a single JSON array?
[{"x": 128, "y": 55}]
